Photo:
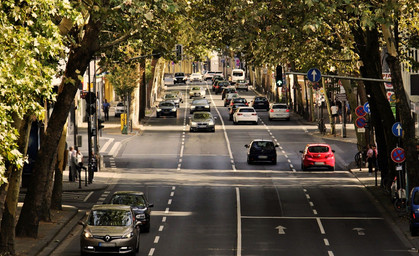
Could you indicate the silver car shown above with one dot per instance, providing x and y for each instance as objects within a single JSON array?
[
  {"x": 202, "y": 121},
  {"x": 166, "y": 108},
  {"x": 110, "y": 229},
  {"x": 279, "y": 111},
  {"x": 200, "y": 105},
  {"x": 197, "y": 91}
]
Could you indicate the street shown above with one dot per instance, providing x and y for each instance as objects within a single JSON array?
[{"x": 209, "y": 201}]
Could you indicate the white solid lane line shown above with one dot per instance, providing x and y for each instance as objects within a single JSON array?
[{"x": 239, "y": 224}]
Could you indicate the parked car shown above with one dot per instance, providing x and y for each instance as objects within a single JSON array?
[
  {"x": 179, "y": 78},
  {"x": 195, "y": 77},
  {"x": 202, "y": 121},
  {"x": 414, "y": 211},
  {"x": 197, "y": 91},
  {"x": 279, "y": 111},
  {"x": 260, "y": 102},
  {"x": 233, "y": 109},
  {"x": 238, "y": 100},
  {"x": 228, "y": 89},
  {"x": 317, "y": 155},
  {"x": 245, "y": 114},
  {"x": 119, "y": 109},
  {"x": 139, "y": 204},
  {"x": 220, "y": 85},
  {"x": 229, "y": 97},
  {"x": 261, "y": 151},
  {"x": 242, "y": 85},
  {"x": 108, "y": 229},
  {"x": 200, "y": 105},
  {"x": 166, "y": 108}
]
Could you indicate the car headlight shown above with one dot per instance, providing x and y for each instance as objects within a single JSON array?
[
  {"x": 174, "y": 109},
  {"x": 193, "y": 124},
  {"x": 207, "y": 106},
  {"x": 192, "y": 107},
  {"x": 87, "y": 234},
  {"x": 211, "y": 122},
  {"x": 128, "y": 235},
  {"x": 159, "y": 109},
  {"x": 140, "y": 216}
]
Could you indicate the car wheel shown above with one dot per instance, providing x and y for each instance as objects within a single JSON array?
[
  {"x": 175, "y": 115},
  {"x": 235, "y": 122},
  {"x": 213, "y": 130},
  {"x": 332, "y": 168},
  {"x": 256, "y": 123},
  {"x": 273, "y": 161},
  {"x": 249, "y": 161},
  {"x": 146, "y": 228},
  {"x": 412, "y": 230},
  {"x": 303, "y": 167},
  {"x": 231, "y": 118},
  {"x": 270, "y": 119},
  {"x": 288, "y": 119},
  {"x": 191, "y": 112},
  {"x": 157, "y": 115}
]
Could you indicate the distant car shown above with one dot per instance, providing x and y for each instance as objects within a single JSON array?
[
  {"x": 166, "y": 108},
  {"x": 261, "y": 151},
  {"x": 202, "y": 121},
  {"x": 179, "y": 78},
  {"x": 210, "y": 74},
  {"x": 414, "y": 211},
  {"x": 195, "y": 77},
  {"x": 229, "y": 97},
  {"x": 228, "y": 89},
  {"x": 233, "y": 109},
  {"x": 108, "y": 229},
  {"x": 242, "y": 85},
  {"x": 279, "y": 111},
  {"x": 214, "y": 81},
  {"x": 220, "y": 85},
  {"x": 172, "y": 97},
  {"x": 197, "y": 91},
  {"x": 119, "y": 109},
  {"x": 260, "y": 102},
  {"x": 139, "y": 204},
  {"x": 237, "y": 74},
  {"x": 200, "y": 105},
  {"x": 245, "y": 114},
  {"x": 238, "y": 100},
  {"x": 317, "y": 155}
]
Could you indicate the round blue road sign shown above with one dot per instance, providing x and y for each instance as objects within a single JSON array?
[
  {"x": 397, "y": 129},
  {"x": 367, "y": 107},
  {"x": 398, "y": 155},
  {"x": 314, "y": 75}
]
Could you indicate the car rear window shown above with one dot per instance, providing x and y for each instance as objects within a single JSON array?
[
  {"x": 260, "y": 99},
  {"x": 247, "y": 110},
  {"x": 318, "y": 149},
  {"x": 279, "y": 107},
  {"x": 237, "y": 73},
  {"x": 263, "y": 144},
  {"x": 179, "y": 74}
]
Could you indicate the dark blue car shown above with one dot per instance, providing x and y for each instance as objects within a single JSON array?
[{"x": 414, "y": 210}]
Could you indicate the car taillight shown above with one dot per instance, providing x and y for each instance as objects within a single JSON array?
[
  {"x": 271, "y": 110},
  {"x": 413, "y": 216},
  {"x": 247, "y": 104},
  {"x": 254, "y": 114},
  {"x": 239, "y": 114},
  {"x": 287, "y": 110}
]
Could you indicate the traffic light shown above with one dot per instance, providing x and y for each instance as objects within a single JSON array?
[
  {"x": 278, "y": 77},
  {"x": 100, "y": 124},
  {"x": 90, "y": 109},
  {"x": 179, "y": 51}
]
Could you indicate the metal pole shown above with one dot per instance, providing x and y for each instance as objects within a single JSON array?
[
  {"x": 344, "y": 119},
  {"x": 97, "y": 107},
  {"x": 89, "y": 129}
]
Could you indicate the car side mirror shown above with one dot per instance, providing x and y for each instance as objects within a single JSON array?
[
  {"x": 276, "y": 145},
  {"x": 215, "y": 117},
  {"x": 301, "y": 151},
  {"x": 246, "y": 146},
  {"x": 82, "y": 223},
  {"x": 333, "y": 151},
  {"x": 150, "y": 205},
  {"x": 138, "y": 224},
  {"x": 190, "y": 117}
]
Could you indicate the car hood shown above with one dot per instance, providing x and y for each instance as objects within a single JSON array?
[
  {"x": 109, "y": 230},
  {"x": 200, "y": 104},
  {"x": 166, "y": 107}
]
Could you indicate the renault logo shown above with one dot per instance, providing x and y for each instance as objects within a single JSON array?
[{"x": 107, "y": 238}]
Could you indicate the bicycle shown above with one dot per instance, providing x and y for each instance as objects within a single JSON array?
[
  {"x": 398, "y": 196},
  {"x": 321, "y": 126}
]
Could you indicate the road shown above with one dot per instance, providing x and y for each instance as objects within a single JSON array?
[{"x": 209, "y": 201}]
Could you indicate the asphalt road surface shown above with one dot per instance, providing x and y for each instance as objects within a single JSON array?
[{"x": 209, "y": 201}]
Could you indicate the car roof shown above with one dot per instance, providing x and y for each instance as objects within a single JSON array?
[
  {"x": 257, "y": 140},
  {"x": 111, "y": 207},
  {"x": 318, "y": 144},
  {"x": 246, "y": 107},
  {"x": 138, "y": 193}
]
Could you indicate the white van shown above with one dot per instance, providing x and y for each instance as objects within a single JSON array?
[{"x": 237, "y": 74}]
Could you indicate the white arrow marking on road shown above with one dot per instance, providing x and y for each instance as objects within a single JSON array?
[
  {"x": 314, "y": 74},
  {"x": 360, "y": 231},
  {"x": 281, "y": 230},
  {"x": 399, "y": 130}
]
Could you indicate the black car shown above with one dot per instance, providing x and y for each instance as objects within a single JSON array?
[
  {"x": 230, "y": 89},
  {"x": 220, "y": 85},
  {"x": 260, "y": 103},
  {"x": 214, "y": 81},
  {"x": 179, "y": 78},
  {"x": 261, "y": 151},
  {"x": 139, "y": 204},
  {"x": 166, "y": 108}
]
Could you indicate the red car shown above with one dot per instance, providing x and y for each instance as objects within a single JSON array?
[{"x": 318, "y": 155}]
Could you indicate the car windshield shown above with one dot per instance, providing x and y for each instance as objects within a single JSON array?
[
  {"x": 166, "y": 104},
  {"x": 179, "y": 74},
  {"x": 269, "y": 145},
  {"x": 237, "y": 73},
  {"x": 247, "y": 110},
  {"x": 110, "y": 217},
  {"x": 279, "y": 107},
  {"x": 196, "y": 88},
  {"x": 200, "y": 102},
  {"x": 260, "y": 99},
  {"x": 120, "y": 104},
  {"x": 169, "y": 96},
  {"x": 318, "y": 149},
  {"x": 202, "y": 115},
  {"x": 133, "y": 200},
  {"x": 240, "y": 100},
  {"x": 224, "y": 83},
  {"x": 232, "y": 95}
]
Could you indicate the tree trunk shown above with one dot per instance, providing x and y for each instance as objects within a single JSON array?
[
  {"x": 57, "y": 192},
  {"x": 329, "y": 110},
  {"x": 77, "y": 63},
  {"x": 8, "y": 221},
  {"x": 367, "y": 46},
  {"x": 150, "y": 83}
]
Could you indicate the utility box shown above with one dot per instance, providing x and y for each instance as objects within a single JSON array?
[{"x": 79, "y": 141}]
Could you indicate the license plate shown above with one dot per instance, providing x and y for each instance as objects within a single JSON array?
[
  {"x": 202, "y": 126},
  {"x": 107, "y": 244},
  {"x": 263, "y": 157},
  {"x": 319, "y": 163}
]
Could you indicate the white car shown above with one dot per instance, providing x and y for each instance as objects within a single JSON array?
[
  {"x": 279, "y": 111},
  {"x": 195, "y": 77},
  {"x": 119, "y": 109},
  {"x": 245, "y": 114},
  {"x": 197, "y": 91},
  {"x": 242, "y": 85}
]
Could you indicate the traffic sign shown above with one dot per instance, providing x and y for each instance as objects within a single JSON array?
[
  {"x": 367, "y": 107},
  {"x": 398, "y": 155},
  {"x": 360, "y": 122},
  {"x": 397, "y": 129},
  {"x": 360, "y": 111},
  {"x": 314, "y": 75}
]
